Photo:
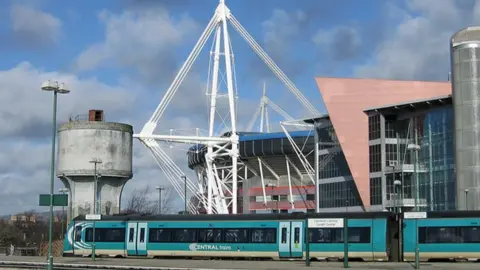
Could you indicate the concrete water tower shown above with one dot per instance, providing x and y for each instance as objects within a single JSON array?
[{"x": 89, "y": 147}]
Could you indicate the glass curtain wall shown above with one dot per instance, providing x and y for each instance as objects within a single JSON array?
[
  {"x": 334, "y": 194},
  {"x": 437, "y": 184},
  {"x": 432, "y": 131}
]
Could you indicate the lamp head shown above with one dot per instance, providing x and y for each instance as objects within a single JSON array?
[
  {"x": 63, "y": 89},
  {"x": 49, "y": 85}
]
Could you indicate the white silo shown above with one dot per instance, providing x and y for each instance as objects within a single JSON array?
[
  {"x": 465, "y": 65},
  {"x": 80, "y": 143}
]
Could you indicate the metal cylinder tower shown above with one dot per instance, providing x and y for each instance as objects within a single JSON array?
[
  {"x": 92, "y": 146},
  {"x": 465, "y": 65}
]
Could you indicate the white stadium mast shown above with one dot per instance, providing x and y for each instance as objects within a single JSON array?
[{"x": 221, "y": 188}]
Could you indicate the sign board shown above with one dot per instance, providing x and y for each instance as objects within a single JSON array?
[
  {"x": 58, "y": 200},
  {"x": 93, "y": 217},
  {"x": 414, "y": 215},
  {"x": 325, "y": 222}
]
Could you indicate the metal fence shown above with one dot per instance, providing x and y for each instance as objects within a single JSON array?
[{"x": 19, "y": 251}]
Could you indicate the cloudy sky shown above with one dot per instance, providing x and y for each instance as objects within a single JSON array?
[{"x": 121, "y": 56}]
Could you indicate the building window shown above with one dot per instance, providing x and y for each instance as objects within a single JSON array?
[
  {"x": 326, "y": 136},
  {"x": 374, "y": 127},
  {"x": 335, "y": 167},
  {"x": 390, "y": 129},
  {"x": 338, "y": 194},
  {"x": 376, "y": 191},
  {"x": 391, "y": 156},
  {"x": 375, "y": 158}
]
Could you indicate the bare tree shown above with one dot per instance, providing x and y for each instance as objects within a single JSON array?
[{"x": 142, "y": 202}]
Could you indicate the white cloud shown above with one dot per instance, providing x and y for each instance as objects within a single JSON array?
[
  {"x": 418, "y": 46},
  {"x": 280, "y": 30},
  {"x": 142, "y": 39},
  {"x": 339, "y": 43},
  {"x": 34, "y": 27},
  {"x": 27, "y": 111}
]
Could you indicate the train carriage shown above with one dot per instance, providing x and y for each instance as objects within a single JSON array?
[
  {"x": 267, "y": 236},
  {"x": 443, "y": 235}
]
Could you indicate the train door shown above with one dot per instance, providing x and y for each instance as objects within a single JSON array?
[
  {"x": 290, "y": 243},
  {"x": 296, "y": 236},
  {"x": 284, "y": 240},
  {"x": 142, "y": 239},
  {"x": 136, "y": 239}
]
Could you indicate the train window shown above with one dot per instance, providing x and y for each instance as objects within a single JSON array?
[
  {"x": 320, "y": 235},
  {"x": 436, "y": 235},
  {"x": 236, "y": 235},
  {"x": 142, "y": 235},
  {"x": 78, "y": 233},
  {"x": 359, "y": 235},
  {"x": 431, "y": 235},
  {"x": 131, "y": 233},
  {"x": 184, "y": 235},
  {"x": 209, "y": 235},
  {"x": 284, "y": 235},
  {"x": 470, "y": 234},
  {"x": 105, "y": 235},
  {"x": 297, "y": 236},
  {"x": 263, "y": 235},
  {"x": 158, "y": 235}
]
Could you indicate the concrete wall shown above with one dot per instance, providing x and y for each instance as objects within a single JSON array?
[{"x": 79, "y": 143}]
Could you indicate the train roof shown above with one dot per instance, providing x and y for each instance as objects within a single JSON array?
[
  {"x": 279, "y": 216},
  {"x": 240, "y": 217}
]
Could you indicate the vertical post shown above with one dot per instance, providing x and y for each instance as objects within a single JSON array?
[
  {"x": 160, "y": 202},
  {"x": 95, "y": 161},
  {"x": 345, "y": 242},
  {"x": 52, "y": 178},
  {"x": 271, "y": 198},
  {"x": 430, "y": 164},
  {"x": 317, "y": 173},
  {"x": 160, "y": 189},
  {"x": 63, "y": 191},
  {"x": 466, "y": 199},
  {"x": 417, "y": 251},
  {"x": 397, "y": 184},
  {"x": 415, "y": 173},
  {"x": 185, "y": 194},
  {"x": 62, "y": 223},
  {"x": 307, "y": 243},
  {"x": 95, "y": 210}
]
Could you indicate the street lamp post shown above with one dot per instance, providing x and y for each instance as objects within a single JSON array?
[
  {"x": 185, "y": 193},
  {"x": 397, "y": 184},
  {"x": 160, "y": 189},
  {"x": 63, "y": 191},
  {"x": 95, "y": 161},
  {"x": 56, "y": 88},
  {"x": 466, "y": 198},
  {"x": 271, "y": 185},
  {"x": 415, "y": 148},
  {"x": 397, "y": 187}
]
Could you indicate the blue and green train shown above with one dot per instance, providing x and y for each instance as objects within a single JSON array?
[
  {"x": 372, "y": 236},
  {"x": 443, "y": 235}
]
